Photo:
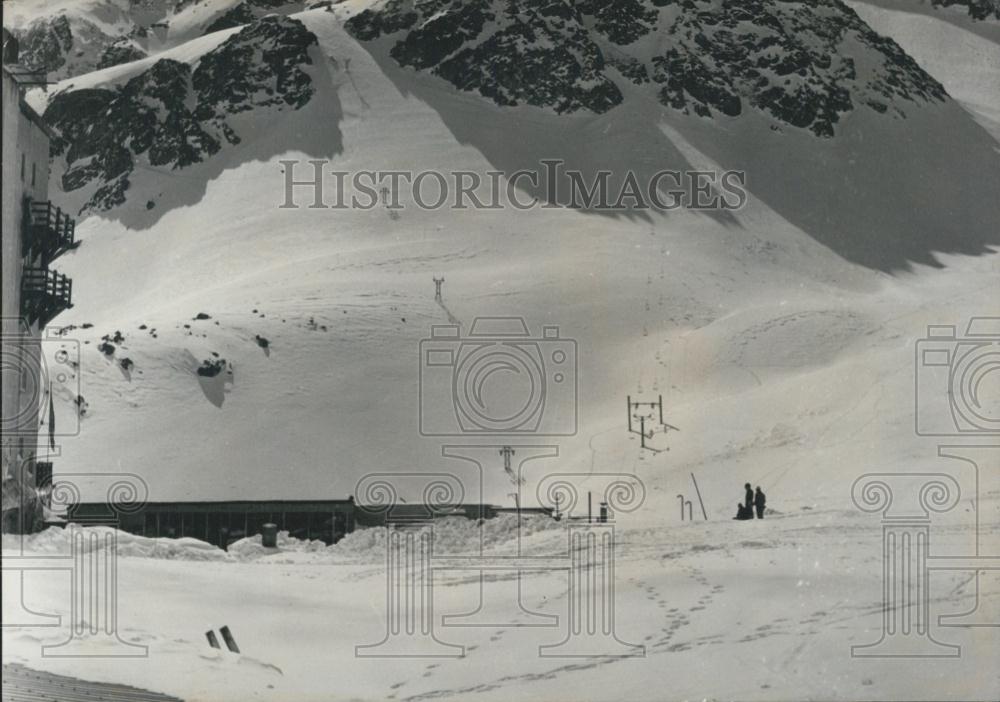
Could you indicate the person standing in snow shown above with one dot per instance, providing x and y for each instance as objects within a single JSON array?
[
  {"x": 748, "y": 503},
  {"x": 759, "y": 500}
]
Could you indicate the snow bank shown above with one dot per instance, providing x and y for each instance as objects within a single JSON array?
[
  {"x": 452, "y": 535},
  {"x": 252, "y": 547},
  {"x": 55, "y": 540},
  {"x": 458, "y": 535}
]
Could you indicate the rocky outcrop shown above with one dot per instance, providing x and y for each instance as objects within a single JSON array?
[
  {"x": 535, "y": 53},
  {"x": 121, "y": 51},
  {"x": 45, "y": 44},
  {"x": 79, "y": 39},
  {"x": 172, "y": 115},
  {"x": 235, "y": 17},
  {"x": 977, "y": 9},
  {"x": 249, "y": 10},
  {"x": 802, "y": 64}
]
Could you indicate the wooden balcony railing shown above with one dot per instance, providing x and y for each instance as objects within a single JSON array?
[
  {"x": 44, "y": 294},
  {"x": 48, "y": 231}
]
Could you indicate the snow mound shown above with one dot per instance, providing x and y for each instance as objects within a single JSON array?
[
  {"x": 461, "y": 536},
  {"x": 252, "y": 547},
  {"x": 55, "y": 540},
  {"x": 452, "y": 535}
]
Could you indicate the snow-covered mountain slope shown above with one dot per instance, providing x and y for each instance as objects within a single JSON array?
[
  {"x": 962, "y": 53},
  {"x": 779, "y": 360},
  {"x": 886, "y": 98},
  {"x": 781, "y": 337},
  {"x": 67, "y": 38}
]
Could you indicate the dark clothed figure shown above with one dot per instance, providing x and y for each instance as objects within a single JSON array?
[
  {"x": 743, "y": 512},
  {"x": 748, "y": 503},
  {"x": 759, "y": 500}
]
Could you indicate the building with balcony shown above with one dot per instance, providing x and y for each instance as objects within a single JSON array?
[{"x": 34, "y": 233}]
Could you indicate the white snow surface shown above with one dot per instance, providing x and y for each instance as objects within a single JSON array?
[
  {"x": 780, "y": 364},
  {"x": 960, "y": 52},
  {"x": 763, "y": 610}
]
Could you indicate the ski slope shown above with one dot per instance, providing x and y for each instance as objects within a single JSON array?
[
  {"x": 697, "y": 308},
  {"x": 961, "y": 53},
  {"x": 780, "y": 363}
]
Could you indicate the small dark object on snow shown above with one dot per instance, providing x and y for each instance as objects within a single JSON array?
[
  {"x": 106, "y": 348},
  {"x": 269, "y": 535},
  {"x": 142, "y": 327},
  {"x": 210, "y": 369},
  {"x": 261, "y": 341},
  {"x": 150, "y": 204},
  {"x": 202, "y": 315},
  {"x": 126, "y": 364},
  {"x": 213, "y": 641},
  {"x": 227, "y": 636},
  {"x": 86, "y": 325}
]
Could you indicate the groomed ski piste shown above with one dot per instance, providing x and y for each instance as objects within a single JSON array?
[{"x": 781, "y": 363}]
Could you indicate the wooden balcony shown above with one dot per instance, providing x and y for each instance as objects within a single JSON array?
[
  {"x": 44, "y": 294},
  {"x": 48, "y": 231}
]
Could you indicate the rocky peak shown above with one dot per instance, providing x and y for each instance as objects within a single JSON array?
[
  {"x": 173, "y": 115},
  {"x": 123, "y": 50},
  {"x": 74, "y": 41},
  {"x": 249, "y": 10},
  {"x": 794, "y": 62},
  {"x": 977, "y": 9},
  {"x": 44, "y": 45}
]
